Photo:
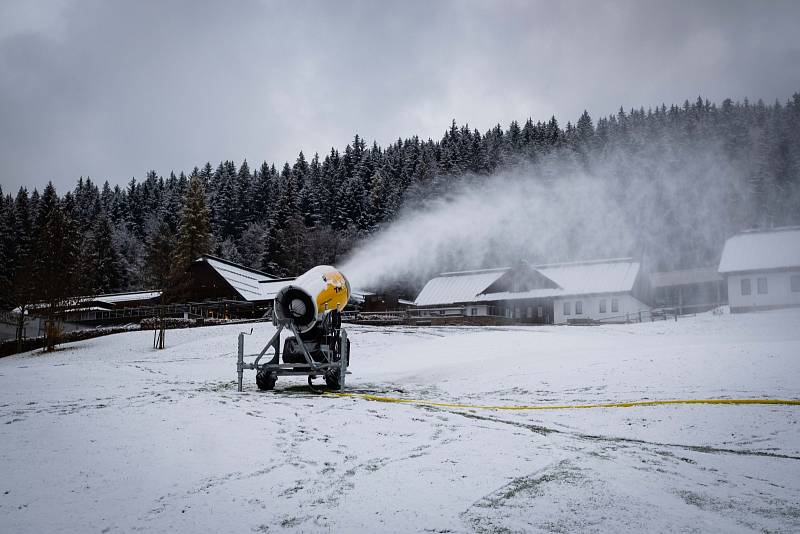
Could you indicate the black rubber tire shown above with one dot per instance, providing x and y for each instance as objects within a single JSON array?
[
  {"x": 265, "y": 381},
  {"x": 332, "y": 380}
]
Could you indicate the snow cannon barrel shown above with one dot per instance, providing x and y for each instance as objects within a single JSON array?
[{"x": 306, "y": 300}]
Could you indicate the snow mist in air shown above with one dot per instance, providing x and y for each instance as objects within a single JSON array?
[
  {"x": 503, "y": 220},
  {"x": 666, "y": 206}
]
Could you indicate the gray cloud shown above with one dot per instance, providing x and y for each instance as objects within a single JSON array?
[{"x": 112, "y": 89}]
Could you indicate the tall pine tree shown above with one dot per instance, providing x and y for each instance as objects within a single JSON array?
[{"x": 194, "y": 232}]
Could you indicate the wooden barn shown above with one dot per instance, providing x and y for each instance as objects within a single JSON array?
[{"x": 211, "y": 278}]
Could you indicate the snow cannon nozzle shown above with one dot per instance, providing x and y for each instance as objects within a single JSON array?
[{"x": 310, "y": 297}]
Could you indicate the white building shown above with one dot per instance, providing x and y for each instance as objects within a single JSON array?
[
  {"x": 603, "y": 290},
  {"x": 762, "y": 269}
]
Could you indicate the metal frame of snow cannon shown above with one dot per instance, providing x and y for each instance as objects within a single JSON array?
[{"x": 333, "y": 345}]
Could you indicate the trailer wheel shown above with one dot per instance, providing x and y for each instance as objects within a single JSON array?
[
  {"x": 332, "y": 380},
  {"x": 265, "y": 381}
]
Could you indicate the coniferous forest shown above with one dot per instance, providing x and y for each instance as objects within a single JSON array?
[{"x": 100, "y": 238}]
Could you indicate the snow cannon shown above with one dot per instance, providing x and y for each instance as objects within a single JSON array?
[
  {"x": 310, "y": 296},
  {"x": 310, "y": 307}
]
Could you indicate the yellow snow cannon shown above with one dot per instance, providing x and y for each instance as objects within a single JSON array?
[
  {"x": 310, "y": 306},
  {"x": 309, "y": 297}
]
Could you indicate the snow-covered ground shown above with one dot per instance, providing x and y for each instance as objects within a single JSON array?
[{"x": 108, "y": 435}]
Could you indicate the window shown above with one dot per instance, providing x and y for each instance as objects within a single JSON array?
[
  {"x": 566, "y": 308},
  {"x": 602, "y": 305},
  {"x": 540, "y": 311},
  {"x": 530, "y": 312},
  {"x": 474, "y": 311},
  {"x": 796, "y": 282},
  {"x": 614, "y": 305},
  {"x": 578, "y": 307},
  {"x": 745, "y": 286},
  {"x": 761, "y": 284}
]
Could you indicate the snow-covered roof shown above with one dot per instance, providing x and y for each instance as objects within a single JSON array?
[
  {"x": 590, "y": 277},
  {"x": 108, "y": 298},
  {"x": 778, "y": 248},
  {"x": 452, "y": 288},
  {"x": 684, "y": 277},
  {"x": 249, "y": 283},
  {"x": 356, "y": 295},
  {"x": 270, "y": 288},
  {"x": 87, "y": 308},
  {"x": 576, "y": 278},
  {"x": 254, "y": 285},
  {"x": 117, "y": 298}
]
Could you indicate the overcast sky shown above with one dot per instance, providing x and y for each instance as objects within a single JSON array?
[{"x": 111, "y": 89}]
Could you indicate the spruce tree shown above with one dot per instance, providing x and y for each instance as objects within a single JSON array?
[
  {"x": 159, "y": 253},
  {"x": 6, "y": 259},
  {"x": 283, "y": 240},
  {"x": 272, "y": 251},
  {"x": 584, "y": 130},
  {"x": 107, "y": 273},
  {"x": 55, "y": 262},
  {"x": 229, "y": 250},
  {"x": 251, "y": 244},
  {"x": 194, "y": 232},
  {"x": 245, "y": 201}
]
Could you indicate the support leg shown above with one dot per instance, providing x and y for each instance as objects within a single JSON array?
[
  {"x": 345, "y": 357},
  {"x": 240, "y": 360}
]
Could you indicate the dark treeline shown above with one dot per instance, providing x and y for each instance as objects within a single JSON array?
[{"x": 103, "y": 238}]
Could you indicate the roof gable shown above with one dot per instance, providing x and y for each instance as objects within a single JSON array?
[{"x": 521, "y": 278}]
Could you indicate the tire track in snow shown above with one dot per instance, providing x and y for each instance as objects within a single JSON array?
[{"x": 617, "y": 439}]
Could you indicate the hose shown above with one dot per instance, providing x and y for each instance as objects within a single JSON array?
[{"x": 631, "y": 404}]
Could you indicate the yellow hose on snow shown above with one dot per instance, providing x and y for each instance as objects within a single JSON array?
[{"x": 632, "y": 404}]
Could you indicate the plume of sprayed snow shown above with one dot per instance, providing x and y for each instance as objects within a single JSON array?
[
  {"x": 666, "y": 204},
  {"x": 502, "y": 220}
]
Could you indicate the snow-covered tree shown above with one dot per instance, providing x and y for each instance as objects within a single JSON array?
[
  {"x": 105, "y": 268},
  {"x": 55, "y": 267},
  {"x": 194, "y": 232},
  {"x": 160, "y": 246}
]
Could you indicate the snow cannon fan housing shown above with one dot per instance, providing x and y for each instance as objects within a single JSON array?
[{"x": 309, "y": 297}]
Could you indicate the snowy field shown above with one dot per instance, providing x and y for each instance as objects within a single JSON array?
[{"x": 108, "y": 435}]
